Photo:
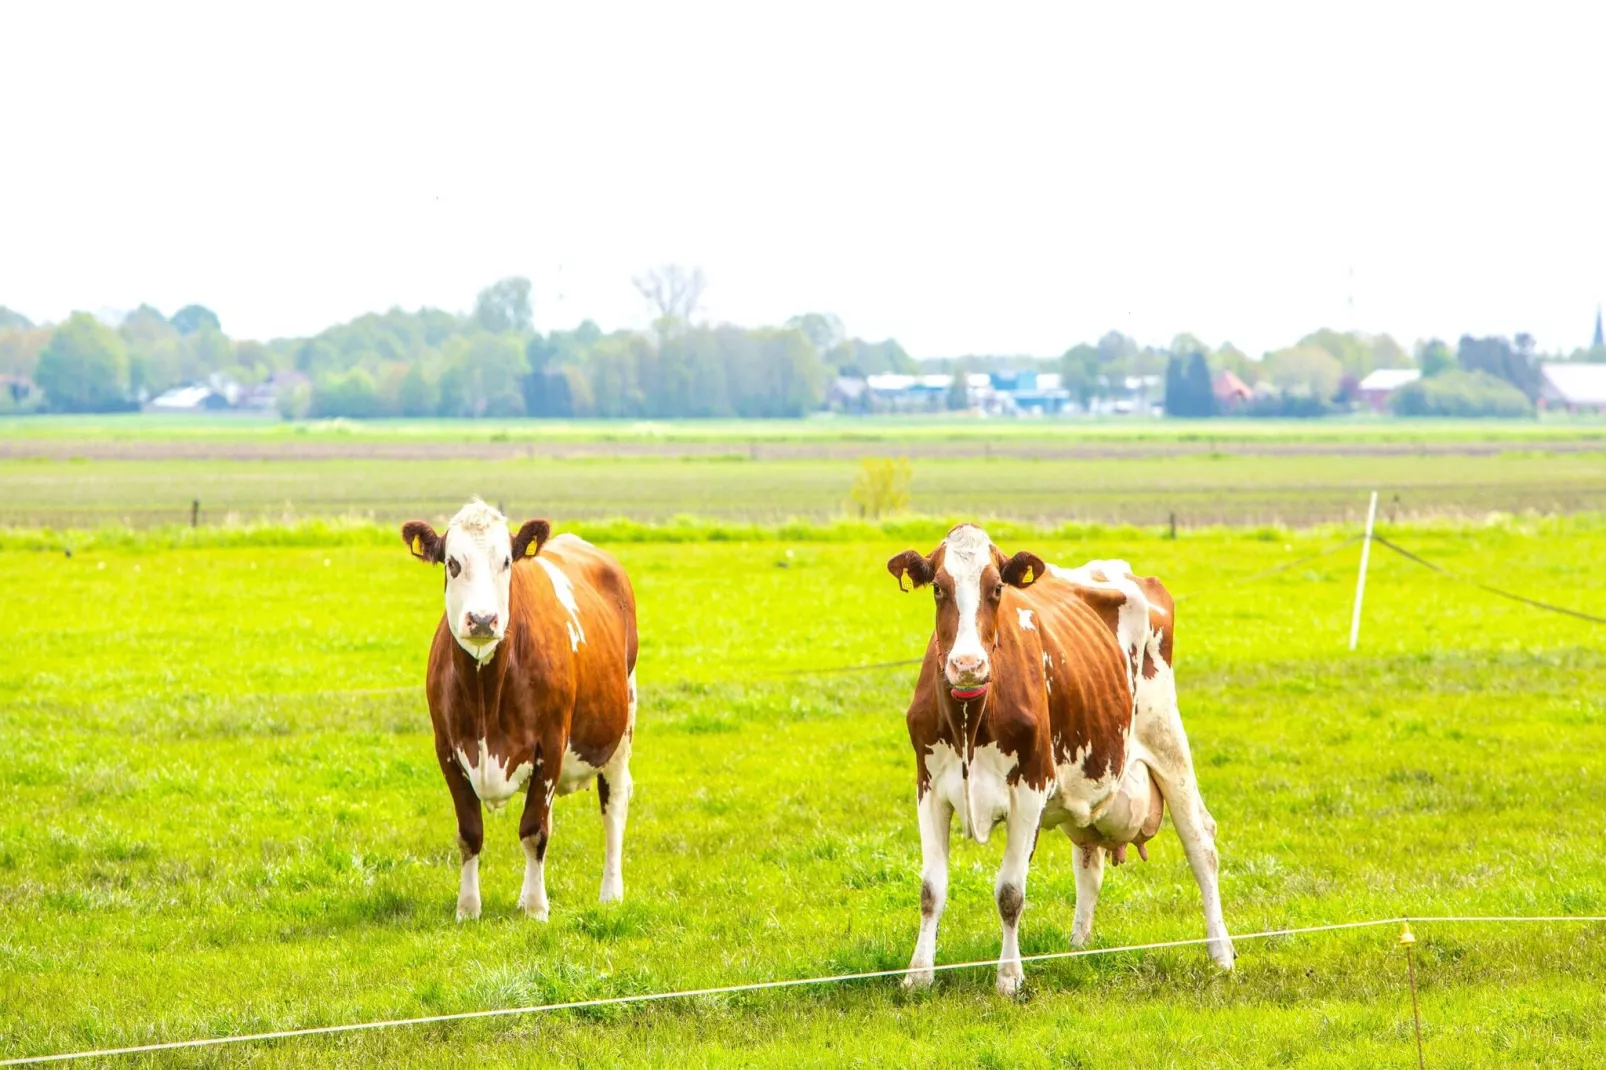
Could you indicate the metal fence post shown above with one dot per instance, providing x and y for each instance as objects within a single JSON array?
[{"x": 1360, "y": 580}]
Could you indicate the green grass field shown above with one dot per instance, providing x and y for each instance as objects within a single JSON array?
[{"x": 214, "y": 819}]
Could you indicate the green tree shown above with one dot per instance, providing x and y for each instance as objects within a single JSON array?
[
  {"x": 824, "y": 329},
  {"x": 1305, "y": 371},
  {"x": 13, "y": 321},
  {"x": 1188, "y": 390},
  {"x": 1435, "y": 358},
  {"x": 1461, "y": 394},
  {"x": 192, "y": 318},
  {"x": 84, "y": 367},
  {"x": 416, "y": 395},
  {"x": 504, "y": 306},
  {"x": 959, "y": 390}
]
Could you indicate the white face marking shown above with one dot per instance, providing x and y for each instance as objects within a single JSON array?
[
  {"x": 968, "y": 553},
  {"x": 1026, "y": 620},
  {"x": 479, "y": 550},
  {"x": 493, "y": 782},
  {"x": 565, "y": 592}
]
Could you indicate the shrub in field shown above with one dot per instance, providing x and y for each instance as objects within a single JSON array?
[
  {"x": 1460, "y": 394},
  {"x": 882, "y": 486}
]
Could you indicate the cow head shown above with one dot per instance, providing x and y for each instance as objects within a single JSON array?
[
  {"x": 967, "y": 575},
  {"x": 478, "y": 551}
]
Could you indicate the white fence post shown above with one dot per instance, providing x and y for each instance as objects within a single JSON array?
[{"x": 1360, "y": 581}]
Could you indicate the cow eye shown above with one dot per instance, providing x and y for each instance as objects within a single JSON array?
[
  {"x": 998, "y": 591},
  {"x": 453, "y": 567},
  {"x": 936, "y": 592},
  {"x": 507, "y": 564}
]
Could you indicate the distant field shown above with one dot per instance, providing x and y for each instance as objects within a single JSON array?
[
  {"x": 210, "y": 822},
  {"x": 1228, "y": 486}
]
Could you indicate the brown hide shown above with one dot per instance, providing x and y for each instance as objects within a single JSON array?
[{"x": 538, "y": 695}]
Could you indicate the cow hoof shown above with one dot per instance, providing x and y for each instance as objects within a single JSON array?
[
  {"x": 1009, "y": 987},
  {"x": 468, "y": 909},
  {"x": 612, "y": 893},
  {"x": 537, "y": 911},
  {"x": 918, "y": 979},
  {"x": 1079, "y": 938},
  {"x": 1221, "y": 951}
]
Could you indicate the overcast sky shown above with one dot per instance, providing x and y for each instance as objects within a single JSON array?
[{"x": 1008, "y": 182}]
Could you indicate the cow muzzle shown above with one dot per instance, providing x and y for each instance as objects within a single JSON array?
[
  {"x": 968, "y": 676},
  {"x": 480, "y": 627}
]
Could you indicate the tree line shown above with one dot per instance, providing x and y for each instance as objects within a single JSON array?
[{"x": 491, "y": 362}]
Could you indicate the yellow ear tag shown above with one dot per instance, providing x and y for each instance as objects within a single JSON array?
[
  {"x": 418, "y": 546},
  {"x": 529, "y": 551},
  {"x": 1027, "y": 579}
]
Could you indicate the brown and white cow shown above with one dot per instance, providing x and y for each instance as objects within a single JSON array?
[
  {"x": 532, "y": 685},
  {"x": 1047, "y": 698}
]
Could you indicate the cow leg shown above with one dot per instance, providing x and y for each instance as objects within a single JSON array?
[
  {"x": 1089, "y": 879},
  {"x": 613, "y": 791},
  {"x": 936, "y": 817},
  {"x": 535, "y": 828},
  {"x": 1025, "y": 815},
  {"x": 1197, "y": 831},
  {"x": 470, "y": 836}
]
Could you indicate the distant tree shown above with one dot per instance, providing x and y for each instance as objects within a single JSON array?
[
  {"x": 20, "y": 349},
  {"x": 192, "y": 318},
  {"x": 1188, "y": 389},
  {"x": 16, "y": 321},
  {"x": 1435, "y": 358},
  {"x": 416, "y": 396},
  {"x": 674, "y": 292},
  {"x": 1461, "y": 394},
  {"x": 84, "y": 367},
  {"x": 504, "y": 306},
  {"x": 882, "y": 486},
  {"x": 959, "y": 390},
  {"x": 1305, "y": 371},
  {"x": 1497, "y": 357},
  {"x": 821, "y": 328},
  {"x": 351, "y": 394},
  {"x": 1080, "y": 372}
]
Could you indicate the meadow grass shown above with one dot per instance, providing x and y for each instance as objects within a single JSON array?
[{"x": 216, "y": 816}]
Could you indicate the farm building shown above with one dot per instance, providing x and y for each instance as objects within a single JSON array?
[
  {"x": 1230, "y": 391},
  {"x": 1573, "y": 387},
  {"x": 195, "y": 398},
  {"x": 1378, "y": 385}
]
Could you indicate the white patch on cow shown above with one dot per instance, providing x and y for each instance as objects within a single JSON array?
[
  {"x": 479, "y": 543},
  {"x": 532, "y": 897},
  {"x": 1026, "y": 620},
  {"x": 969, "y": 551},
  {"x": 492, "y": 781},
  {"x": 576, "y": 773},
  {"x": 1132, "y": 619},
  {"x": 468, "y": 890},
  {"x": 565, "y": 592},
  {"x": 984, "y": 802}
]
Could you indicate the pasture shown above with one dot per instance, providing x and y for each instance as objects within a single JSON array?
[
  {"x": 216, "y": 816},
  {"x": 146, "y": 472}
]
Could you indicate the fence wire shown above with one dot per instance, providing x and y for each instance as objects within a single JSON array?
[{"x": 761, "y": 986}]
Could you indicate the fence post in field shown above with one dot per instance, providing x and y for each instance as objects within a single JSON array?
[
  {"x": 1360, "y": 580},
  {"x": 195, "y": 512},
  {"x": 1173, "y": 527}
]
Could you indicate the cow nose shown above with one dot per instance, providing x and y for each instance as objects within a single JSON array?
[
  {"x": 482, "y": 624},
  {"x": 967, "y": 668}
]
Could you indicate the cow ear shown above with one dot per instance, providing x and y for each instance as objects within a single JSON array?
[
  {"x": 531, "y": 537},
  {"x": 914, "y": 565},
  {"x": 423, "y": 543},
  {"x": 1022, "y": 570}
]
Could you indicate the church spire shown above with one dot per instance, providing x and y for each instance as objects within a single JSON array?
[{"x": 1600, "y": 340}]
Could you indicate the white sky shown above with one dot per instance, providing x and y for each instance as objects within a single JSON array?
[{"x": 1008, "y": 182}]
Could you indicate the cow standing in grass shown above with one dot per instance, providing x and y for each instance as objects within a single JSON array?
[
  {"x": 532, "y": 685},
  {"x": 1047, "y": 698}
]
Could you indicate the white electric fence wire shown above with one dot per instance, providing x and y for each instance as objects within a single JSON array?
[{"x": 758, "y": 986}]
